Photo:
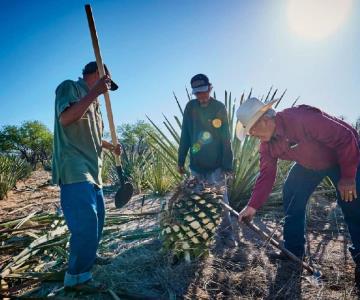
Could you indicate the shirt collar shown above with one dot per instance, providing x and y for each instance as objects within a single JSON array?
[
  {"x": 279, "y": 127},
  {"x": 210, "y": 101},
  {"x": 83, "y": 84}
]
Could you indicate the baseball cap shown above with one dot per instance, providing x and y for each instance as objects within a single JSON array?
[
  {"x": 91, "y": 67},
  {"x": 200, "y": 83}
]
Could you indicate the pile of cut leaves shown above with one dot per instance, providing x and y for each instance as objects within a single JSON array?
[{"x": 34, "y": 249}]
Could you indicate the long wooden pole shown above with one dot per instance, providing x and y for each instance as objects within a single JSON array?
[{"x": 101, "y": 69}]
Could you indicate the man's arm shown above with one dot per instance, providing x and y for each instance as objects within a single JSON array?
[
  {"x": 75, "y": 111},
  {"x": 263, "y": 186},
  {"x": 184, "y": 139}
]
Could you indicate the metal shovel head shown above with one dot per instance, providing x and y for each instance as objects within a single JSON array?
[{"x": 124, "y": 194}]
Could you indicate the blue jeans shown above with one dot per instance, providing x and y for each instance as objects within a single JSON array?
[
  {"x": 298, "y": 187},
  {"x": 84, "y": 212}
]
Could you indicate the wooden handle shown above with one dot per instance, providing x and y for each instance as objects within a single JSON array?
[
  {"x": 274, "y": 242},
  {"x": 101, "y": 69}
]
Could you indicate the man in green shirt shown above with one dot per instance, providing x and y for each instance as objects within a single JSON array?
[
  {"x": 77, "y": 163},
  {"x": 205, "y": 132}
]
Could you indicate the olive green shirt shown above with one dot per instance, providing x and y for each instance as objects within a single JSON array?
[{"x": 77, "y": 155}]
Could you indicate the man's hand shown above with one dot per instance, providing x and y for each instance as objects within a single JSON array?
[
  {"x": 117, "y": 150},
  {"x": 101, "y": 86},
  {"x": 247, "y": 214},
  {"x": 347, "y": 189},
  {"x": 181, "y": 170}
]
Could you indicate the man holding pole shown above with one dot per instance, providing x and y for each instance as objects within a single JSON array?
[{"x": 77, "y": 164}]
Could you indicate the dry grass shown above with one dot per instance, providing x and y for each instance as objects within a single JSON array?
[{"x": 141, "y": 271}]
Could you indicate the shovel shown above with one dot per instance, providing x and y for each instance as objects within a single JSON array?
[{"x": 123, "y": 195}]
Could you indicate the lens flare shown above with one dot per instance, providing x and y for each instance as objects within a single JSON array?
[
  {"x": 195, "y": 148},
  {"x": 216, "y": 123},
  {"x": 205, "y": 137}
]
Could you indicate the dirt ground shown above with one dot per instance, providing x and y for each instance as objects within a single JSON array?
[{"x": 251, "y": 271}]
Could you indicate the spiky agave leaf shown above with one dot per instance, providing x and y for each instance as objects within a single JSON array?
[{"x": 246, "y": 157}]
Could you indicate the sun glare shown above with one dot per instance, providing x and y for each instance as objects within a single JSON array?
[{"x": 317, "y": 19}]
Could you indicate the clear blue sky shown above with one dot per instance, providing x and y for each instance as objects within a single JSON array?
[{"x": 154, "y": 47}]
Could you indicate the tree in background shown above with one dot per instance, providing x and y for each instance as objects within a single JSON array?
[{"x": 31, "y": 141}]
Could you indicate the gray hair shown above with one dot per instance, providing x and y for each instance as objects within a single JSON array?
[{"x": 270, "y": 113}]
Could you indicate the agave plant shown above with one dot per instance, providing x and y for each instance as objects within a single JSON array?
[
  {"x": 246, "y": 157},
  {"x": 157, "y": 174},
  {"x": 12, "y": 169},
  {"x": 134, "y": 163}
]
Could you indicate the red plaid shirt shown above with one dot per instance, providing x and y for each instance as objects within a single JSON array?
[{"x": 311, "y": 138}]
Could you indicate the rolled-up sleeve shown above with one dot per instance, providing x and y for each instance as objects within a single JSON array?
[
  {"x": 264, "y": 183},
  {"x": 66, "y": 94}
]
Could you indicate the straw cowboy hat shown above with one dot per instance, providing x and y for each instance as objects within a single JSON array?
[{"x": 248, "y": 113}]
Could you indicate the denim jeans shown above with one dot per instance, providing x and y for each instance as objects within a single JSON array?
[
  {"x": 217, "y": 178},
  {"x": 84, "y": 211},
  {"x": 298, "y": 187}
]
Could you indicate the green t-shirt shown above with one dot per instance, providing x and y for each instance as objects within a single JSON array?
[{"x": 77, "y": 155}]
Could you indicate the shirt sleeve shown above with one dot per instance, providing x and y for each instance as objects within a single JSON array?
[
  {"x": 66, "y": 94},
  {"x": 264, "y": 183},
  {"x": 336, "y": 136},
  {"x": 185, "y": 137},
  {"x": 227, "y": 160}
]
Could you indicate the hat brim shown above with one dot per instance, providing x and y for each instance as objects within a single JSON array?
[
  {"x": 114, "y": 86},
  {"x": 242, "y": 131},
  {"x": 200, "y": 89}
]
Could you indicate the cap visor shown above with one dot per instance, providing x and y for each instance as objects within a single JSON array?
[
  {"x": 200, "y": 89},
  {"x": 114, "y": 86}
]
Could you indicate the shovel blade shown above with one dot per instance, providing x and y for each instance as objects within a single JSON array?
[{"x": 124, "y": 194}]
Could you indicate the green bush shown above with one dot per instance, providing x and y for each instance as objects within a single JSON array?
[{"x": 11, "y": 170}]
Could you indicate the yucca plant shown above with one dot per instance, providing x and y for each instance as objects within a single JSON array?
[{"x": 12, "y": 169}]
